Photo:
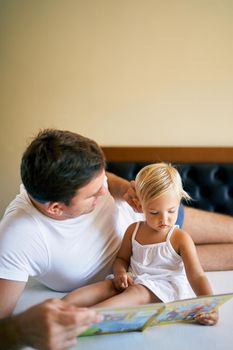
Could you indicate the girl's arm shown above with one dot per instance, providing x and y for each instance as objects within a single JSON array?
[
  {"x": 193, "y": 268},
  {"x": 120, "y": 266},
  {"x": 194, "y": 271}
]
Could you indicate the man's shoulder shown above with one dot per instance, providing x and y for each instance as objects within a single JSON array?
[
  {"x": 17, "y": 209},
  {"x": 19, "y": 212}
]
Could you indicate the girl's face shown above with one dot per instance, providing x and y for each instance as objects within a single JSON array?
[{"x": 161, "y": 213}]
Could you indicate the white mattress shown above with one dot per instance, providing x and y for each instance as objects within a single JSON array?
[{"x": 167, "y": 337}]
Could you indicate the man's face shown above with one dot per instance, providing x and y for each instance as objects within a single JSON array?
[{"x": 86, "y": 198}]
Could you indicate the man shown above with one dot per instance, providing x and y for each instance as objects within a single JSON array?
[
  {"x": 65, "y": 228},
  {"x": 51, "y": 325}
]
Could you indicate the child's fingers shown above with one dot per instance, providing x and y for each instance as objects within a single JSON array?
[
  {"x": 120, "y": 282},
  {"x": 206, "y": 318},
  {"x": 124, "y": 282},
  {"x": 130, "y": 280},
  {"x": 117, "y": 283}
]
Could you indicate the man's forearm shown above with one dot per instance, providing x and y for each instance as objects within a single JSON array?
[{"x": 117, "y": 185}]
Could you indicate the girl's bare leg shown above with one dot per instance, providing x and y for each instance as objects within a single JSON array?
[
  {"x": 91, "y": 294},
  {"x": 134, "y": 295}
]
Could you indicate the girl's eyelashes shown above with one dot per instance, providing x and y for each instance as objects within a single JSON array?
[{"x": 173, "y": 211}]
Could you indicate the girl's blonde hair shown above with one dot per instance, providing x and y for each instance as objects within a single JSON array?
[{"x": 155, "y": 179}]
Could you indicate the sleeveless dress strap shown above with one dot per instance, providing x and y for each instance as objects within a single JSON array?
[
  {"x": 171, "y": 232},
  {"x": 135, "y": 230}
]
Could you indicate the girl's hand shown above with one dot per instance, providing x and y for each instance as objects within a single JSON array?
[
  {"x": 207, "y": 318},
  {"x": 122, "y": 281}
]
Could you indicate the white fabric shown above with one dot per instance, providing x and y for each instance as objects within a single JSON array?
[
  {"x": 65, "y": 254},
  {"x": 159, "y": 268}
]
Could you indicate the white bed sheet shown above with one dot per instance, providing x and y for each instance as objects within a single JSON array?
[{"x": 166, "y": 337}]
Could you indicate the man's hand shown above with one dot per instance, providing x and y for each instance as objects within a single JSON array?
[
  {"x": 131, "y": 198},
  {"x": 54, "y": 325}
]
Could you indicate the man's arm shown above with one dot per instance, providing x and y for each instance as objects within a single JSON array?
[
  {"x": 51, "y": 325},
  {"x": 117, "y": 186},
  {"x": 10, "y": 291},
  {"x": 125, "y": 190},
  {"x": 206, "y": 227}
]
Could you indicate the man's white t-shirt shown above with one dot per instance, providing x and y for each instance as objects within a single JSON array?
[{"x": 63, "y": 255}]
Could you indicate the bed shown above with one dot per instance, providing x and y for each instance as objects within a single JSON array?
[
  {"x": 207, "y": 175},
  {"x": 166, "y": 337}
]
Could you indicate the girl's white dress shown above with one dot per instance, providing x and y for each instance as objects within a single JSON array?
[{"x": 160, "y": 269}]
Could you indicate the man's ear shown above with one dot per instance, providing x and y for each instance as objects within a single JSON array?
[{"x": 55, "y": 208}]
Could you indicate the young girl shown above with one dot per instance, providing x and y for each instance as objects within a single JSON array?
[{"x": 157, "y": 261}]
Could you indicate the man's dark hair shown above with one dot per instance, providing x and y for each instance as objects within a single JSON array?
[{"x": 57, "y": 163}]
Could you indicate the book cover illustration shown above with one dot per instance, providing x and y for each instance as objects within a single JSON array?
[
  {"x": 185, "y": 310},
  {"x": 138, "y": 318},
  {"x": 124, "y": 319}
]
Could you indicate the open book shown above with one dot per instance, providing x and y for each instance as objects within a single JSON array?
[{"x": 138, "y": 318}]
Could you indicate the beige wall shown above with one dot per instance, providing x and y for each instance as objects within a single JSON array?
[{"x": 125, "y": 72}]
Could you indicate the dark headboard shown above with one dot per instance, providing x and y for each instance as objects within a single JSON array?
[{"x": 207, "y": 173}]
